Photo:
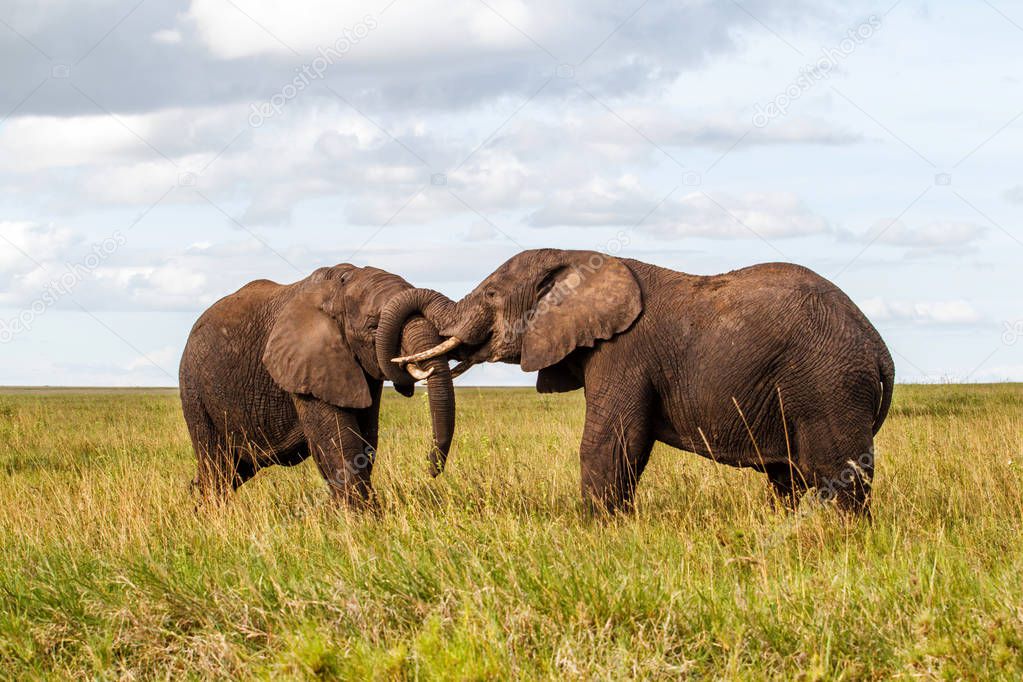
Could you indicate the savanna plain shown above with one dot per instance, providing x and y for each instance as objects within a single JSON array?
[{"x": 494, "y": 570}]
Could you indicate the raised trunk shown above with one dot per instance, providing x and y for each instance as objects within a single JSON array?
[
  {"x": 419, "y": 335},
  {"x": 436, "y": 307}
]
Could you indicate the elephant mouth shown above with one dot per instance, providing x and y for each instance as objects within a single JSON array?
[
  {"x": 467, "y": 355},
  {"x": 475, "y": 353}
]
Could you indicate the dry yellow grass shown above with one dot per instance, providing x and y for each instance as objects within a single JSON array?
[{"x": 493, "y": 569}]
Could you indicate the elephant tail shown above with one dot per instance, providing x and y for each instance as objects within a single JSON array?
[{"x": 886, "y": 368}]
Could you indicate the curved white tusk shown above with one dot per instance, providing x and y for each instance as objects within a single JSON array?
[
  {"x": 418, "y": 374},
  {"x": 435, "y": 352}
]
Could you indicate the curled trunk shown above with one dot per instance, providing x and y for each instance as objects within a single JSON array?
[
  {"x": 436, "y": 307},
  {"x": 419, "y": 335}
]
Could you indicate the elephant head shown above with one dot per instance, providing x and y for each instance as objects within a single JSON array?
[
  {"x": 534, "y": 311},
  {"x": 323, "y": 343}
]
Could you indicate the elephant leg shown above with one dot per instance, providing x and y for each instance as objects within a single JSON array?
[
  {"x": 240, "y": 470},
  {"x": 839, "y": 464},
  {"x": 369, "y": 418},
  {"x": 787, "y": 483},
  {"x": 342, "y": 454},
  {"x": 616, "y": 445},
  {"x": 220, "y": 470}
]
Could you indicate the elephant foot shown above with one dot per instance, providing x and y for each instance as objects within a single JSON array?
[{"x": 357, "y": 499}]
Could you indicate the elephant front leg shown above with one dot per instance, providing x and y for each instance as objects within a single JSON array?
[
  {"x": 616, "y": 446},
  {"x": 342, "y": 454},
  {"x": 369, "y": 418}
]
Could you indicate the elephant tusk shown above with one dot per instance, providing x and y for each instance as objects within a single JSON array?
[
  {"x": 438, "y": 350},
  {"x": 461, "y": 368},
  {"x": 418, "y": 374}
]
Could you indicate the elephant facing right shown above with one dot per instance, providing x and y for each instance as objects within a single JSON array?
[{"x": 770, "y": 367}]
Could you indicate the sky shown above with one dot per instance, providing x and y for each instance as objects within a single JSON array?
[{"x": 156, "y": 156}]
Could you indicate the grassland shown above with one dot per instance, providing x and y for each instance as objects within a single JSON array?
[{"x": 493, "y": 570}]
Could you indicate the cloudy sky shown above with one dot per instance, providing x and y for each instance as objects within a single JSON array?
[{"x": 155, "y": 156}]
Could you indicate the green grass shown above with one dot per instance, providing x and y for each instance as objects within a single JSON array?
[{"x": 493, "y": 570}]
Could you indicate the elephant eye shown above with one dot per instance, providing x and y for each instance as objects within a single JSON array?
[{"x": 490, "y": 293}]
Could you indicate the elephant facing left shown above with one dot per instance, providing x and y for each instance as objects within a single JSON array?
[{"x": 273, "y": 374}]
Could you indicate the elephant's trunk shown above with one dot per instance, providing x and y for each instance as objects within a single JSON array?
[
  {"x": 418, "y": 335},
  {"x": 436, "y": 307}
]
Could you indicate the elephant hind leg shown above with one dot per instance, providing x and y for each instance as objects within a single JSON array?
[
  {"x": 219, "y": 470},
  {"x": 839, "y": 464},
  {"x": 787, "y": 482}
]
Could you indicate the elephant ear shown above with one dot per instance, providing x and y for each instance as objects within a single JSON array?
[
  {"x": 580, "y": 303},
  {"x": 307, "y": 353}
]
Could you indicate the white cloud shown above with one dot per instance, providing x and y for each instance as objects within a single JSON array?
[
  {"x": 320, "y": 147},
  {"x": 31, "y": 143},
  {"x": 167, "y": 36},
  {"x": 453, "y": 28},
  {"x": 46, "y": 143},
  {"x": 1014, "y": 195},
  {"x": 998, "y": 373},
  {"x": 432, "y": 30},
  {"x": 722, "y": 130},
  {"x": 178, "y": 283},
  {"x": 625, "y": 202},
  {"x": 165, "y": 358},
  {"x": 33, "y": 256},
  {"x": 956, "y": 312},
  {"x": 134, "y": 277},
  {"x": 47, "y": 262},
  {"x": 480, "y": 231},
  {"x": 766, "y": 214},
  {"x": 24, "y": 242},
  {"x": 406, "y": 55},
  {"x": 46, "y": 265},
  {"x": 938, "y": 235}
]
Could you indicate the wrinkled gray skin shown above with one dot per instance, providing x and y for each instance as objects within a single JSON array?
[
  {"x": 770, "y": 367},
  {"x": 275, "y": 373}
]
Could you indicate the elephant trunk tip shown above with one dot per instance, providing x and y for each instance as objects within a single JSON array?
[{"x": 438, "y": 459}]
